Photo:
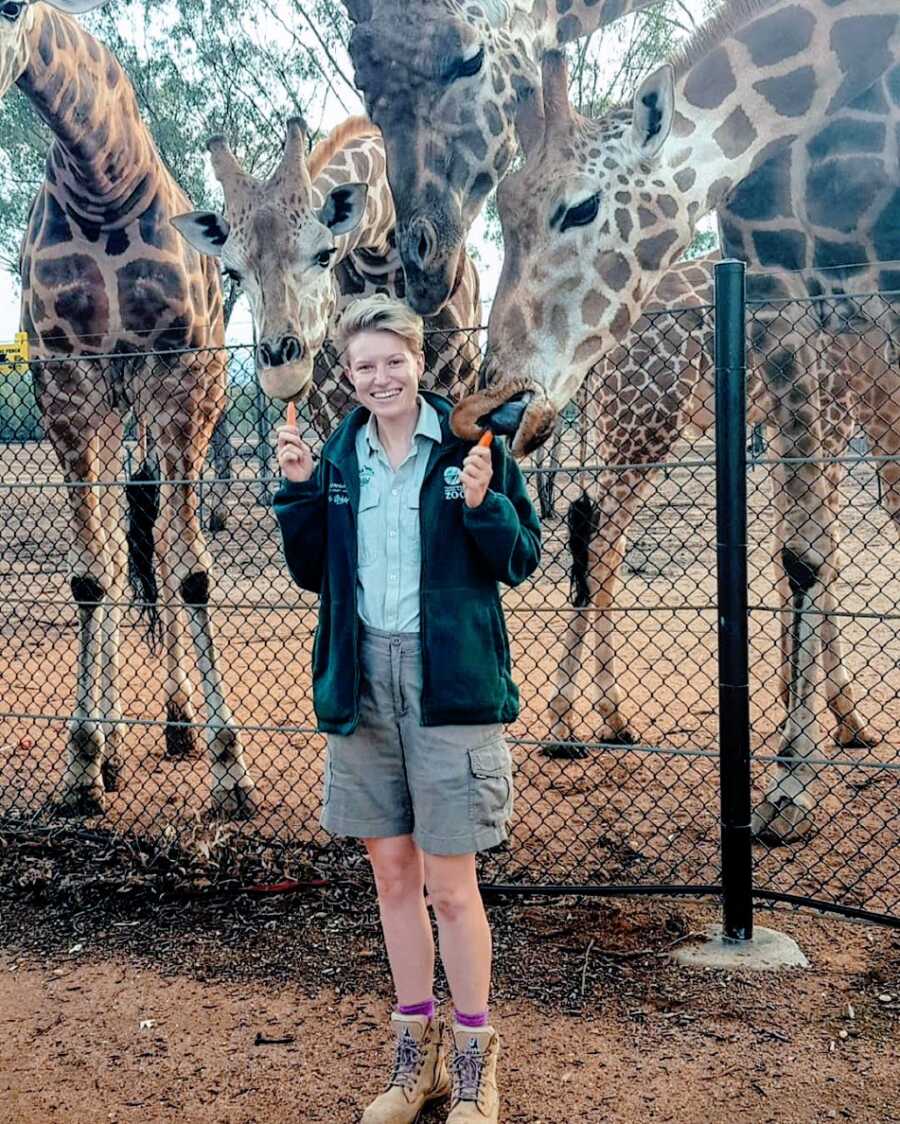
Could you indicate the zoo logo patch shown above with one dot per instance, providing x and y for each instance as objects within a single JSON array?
[
  {"x": 365, "y": 475},
  {"x": 452, "y": 483},
  {"x": 337, "y": 493}
]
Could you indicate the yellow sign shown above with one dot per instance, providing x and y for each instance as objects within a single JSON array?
[{"x": 14, "y": 356}]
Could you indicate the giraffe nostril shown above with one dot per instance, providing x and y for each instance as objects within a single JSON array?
[
  {"x": 265, "y": 355},
  {"x": 291, "y": 349}
]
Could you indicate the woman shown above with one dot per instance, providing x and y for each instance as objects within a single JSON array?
[{"x": 404, "y": 531}]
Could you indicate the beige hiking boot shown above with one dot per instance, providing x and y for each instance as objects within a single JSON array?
[
  {"x": 474, "y": 1071},
  {"x": 420, "y": 1072}
]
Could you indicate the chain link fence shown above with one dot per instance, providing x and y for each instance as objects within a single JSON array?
[{"x": 614, "y": 640}]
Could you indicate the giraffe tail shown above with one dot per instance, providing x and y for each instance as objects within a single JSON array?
[
  {"x": 142, "y": 495},
  {"x": 581, "y": 531}
]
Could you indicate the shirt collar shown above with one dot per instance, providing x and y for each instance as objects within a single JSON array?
[{"x": 428, "y": 425}]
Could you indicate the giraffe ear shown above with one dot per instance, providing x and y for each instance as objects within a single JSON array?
[
  {"x": 654, "y": 108},
  {"x": 344, "y": 207},
  {"x": 75, "y": 7},
  {"x": 205, "y": 230},
  {"x": 530, "y": 122}
]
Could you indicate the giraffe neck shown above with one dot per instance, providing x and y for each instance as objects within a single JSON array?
[
  {"x": 102, "y": 164},
  {"x": 780, "y": 70},
  {"x": 562, "y": 21},
  {"x": 361, "y": 160}
]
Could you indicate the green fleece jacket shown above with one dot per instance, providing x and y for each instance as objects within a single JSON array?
[{"x": 465, "y": 553}]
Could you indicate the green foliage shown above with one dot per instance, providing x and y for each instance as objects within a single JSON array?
[{"x": 198, "y": 67}]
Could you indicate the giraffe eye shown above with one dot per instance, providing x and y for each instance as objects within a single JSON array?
[
  {"x": 466, "y": 68},
  {"x": 12, "y": 9},
  {"x": 582, "y": 214},
  {"x": 233, "y": 275},
  {"x": 324, "y": 257}
]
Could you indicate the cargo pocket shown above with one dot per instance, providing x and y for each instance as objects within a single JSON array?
[{"x": 490, "y": 785}]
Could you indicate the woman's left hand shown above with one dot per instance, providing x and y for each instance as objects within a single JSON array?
[{"x": 476, "y": 475}]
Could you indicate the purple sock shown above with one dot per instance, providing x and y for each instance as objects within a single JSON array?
[
  {"x": 471, "y": 1022},
  {"x": 427, "y": 1009}
]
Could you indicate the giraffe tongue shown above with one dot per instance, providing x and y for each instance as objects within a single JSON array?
[{"x": 506, "y": 418}]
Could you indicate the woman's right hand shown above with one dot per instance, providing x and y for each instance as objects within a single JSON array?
[{"x": 294, "y": 455}]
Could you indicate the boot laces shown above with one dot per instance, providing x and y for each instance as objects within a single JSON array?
[
  {"x": 468, "y": 1066},
  {"x": 407, "y": 1059}
]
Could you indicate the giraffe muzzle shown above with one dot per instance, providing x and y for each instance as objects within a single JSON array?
[{"x": 281, "y": 352}]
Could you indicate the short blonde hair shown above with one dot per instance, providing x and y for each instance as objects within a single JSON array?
[{"x": 380, "y": 313}]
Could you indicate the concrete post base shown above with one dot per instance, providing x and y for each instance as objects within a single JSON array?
[{"x": 767, "y": 952}]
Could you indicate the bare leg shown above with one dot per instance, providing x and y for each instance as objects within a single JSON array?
[
  {"x": 465, "y": 936},
  {"x": 397, "y": 864}
]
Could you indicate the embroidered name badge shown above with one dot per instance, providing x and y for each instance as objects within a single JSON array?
[
  {"x": 337, "y": 493},
  {"x": 452, "y": 483}
]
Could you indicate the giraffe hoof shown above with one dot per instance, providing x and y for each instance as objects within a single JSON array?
[
  {"x": 80, "y": 803},
  {"x": 564, "y": 751},
  {"x": 180, "y": 741},
  {"x": 625, "y": 736},
  {"x": 109, "y": 771},
  {"x": 236, "y": 803},
  {"x": 856, "y": 739},
  {"x": 782, "y": 820}
]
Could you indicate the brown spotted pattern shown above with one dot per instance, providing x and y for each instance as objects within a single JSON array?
[
  {"x": 787, "y": 114},
  {"x": 442, "y": 79},
  {"x": 299, "y": 275},
  {"x": 105, "y": 274}
]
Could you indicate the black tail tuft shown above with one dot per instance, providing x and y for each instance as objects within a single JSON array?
[
  {"x": 142, "y": 494},
  {"x": 581, "y": 531}
]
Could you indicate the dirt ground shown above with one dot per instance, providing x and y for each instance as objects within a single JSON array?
[{"x": 243, "y": 1012}]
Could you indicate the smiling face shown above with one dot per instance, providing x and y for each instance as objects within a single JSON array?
[
  {"x": 385, "y": 372},
  {"x": 278, "y": 242},
  {"x": 445, "y": 100}
]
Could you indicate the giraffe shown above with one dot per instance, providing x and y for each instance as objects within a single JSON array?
[
  {"x": 641, "y": 398},
  {"x": 441, "y": 79},
  {"x": 304, "y": 243},
  {"x": 781, "y": 116},
  {"x": 105, "y": 279}
]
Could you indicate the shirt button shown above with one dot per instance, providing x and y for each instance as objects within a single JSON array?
[
  {"x": 395, "y": 491},
  {"x": 393, "y": 533}
]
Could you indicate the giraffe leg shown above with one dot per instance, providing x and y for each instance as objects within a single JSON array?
[
  {"x": 877, "y": 378},
  {"x": 601, "y": 531},
  {"x": 789, "y": 368},
  {"x": 113, "y": 520},
  {"x": 221, "y": 464},
  {"x": 183, "y": 449},
  {"x": 81, "y": 790}
]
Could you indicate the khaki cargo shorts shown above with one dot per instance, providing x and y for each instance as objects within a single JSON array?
[{"x": 450, "y": 787}]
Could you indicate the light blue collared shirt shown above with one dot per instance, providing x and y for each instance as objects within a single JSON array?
[{"x": 388, "y": 532}]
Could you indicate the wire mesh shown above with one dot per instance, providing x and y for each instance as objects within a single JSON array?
[{"x": 614, "y": 640}]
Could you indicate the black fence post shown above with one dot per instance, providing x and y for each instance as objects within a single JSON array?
[{"x": 731, "y": 550}]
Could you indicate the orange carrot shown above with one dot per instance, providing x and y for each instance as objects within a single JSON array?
[
  {"x": 291, "y": 417},
  {"x": 486, "y": 438}
]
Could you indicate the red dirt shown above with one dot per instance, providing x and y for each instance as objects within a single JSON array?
[{"x": 154, "y": 1018}]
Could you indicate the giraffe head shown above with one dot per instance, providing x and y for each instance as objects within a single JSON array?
[
  {"x": 277, "y": 240},
  {"x": 445, "y": 104},
  {"x": 16, "y": 18},
  {"x": 590, "y": 223}
]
